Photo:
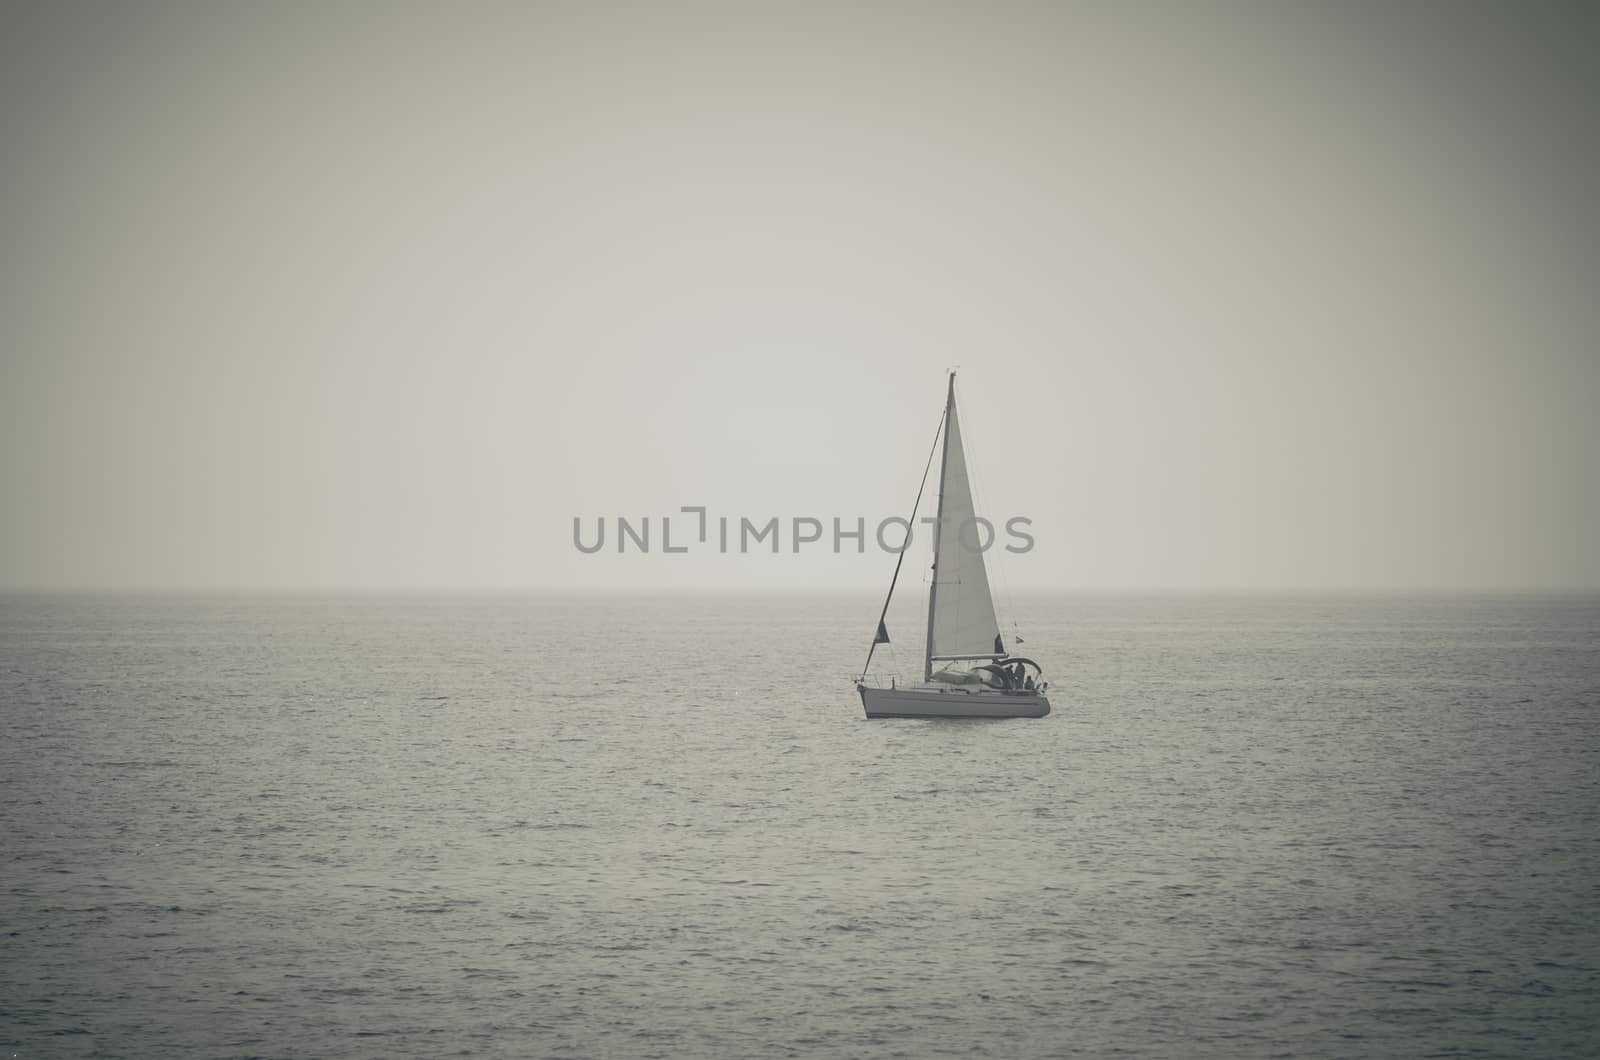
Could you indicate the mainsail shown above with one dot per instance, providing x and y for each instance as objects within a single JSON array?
[{"x": 961, "y": 619}]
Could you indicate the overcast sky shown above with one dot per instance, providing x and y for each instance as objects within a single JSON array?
[{"x": 1271, "y": 296}]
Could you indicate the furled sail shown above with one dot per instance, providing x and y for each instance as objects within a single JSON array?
[{"x": 963, "y": 619}]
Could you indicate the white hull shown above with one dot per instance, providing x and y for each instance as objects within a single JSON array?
[{"x": 929, "y": 702}]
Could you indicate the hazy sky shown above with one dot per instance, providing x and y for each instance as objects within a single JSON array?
[{"x": 1278, "y": 295}]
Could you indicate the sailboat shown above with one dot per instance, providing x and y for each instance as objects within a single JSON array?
[{"x": 978, "y": 678}]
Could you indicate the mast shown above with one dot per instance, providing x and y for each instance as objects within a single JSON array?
[{"x": 938, "y": 520}]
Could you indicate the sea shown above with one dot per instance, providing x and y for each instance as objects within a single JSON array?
[{"x": 264, "y": 825}]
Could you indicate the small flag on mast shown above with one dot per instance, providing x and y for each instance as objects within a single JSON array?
[{"x": 883, "y": 634}]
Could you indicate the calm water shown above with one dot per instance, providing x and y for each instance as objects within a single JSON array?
[{"x": 390, "y": 827}]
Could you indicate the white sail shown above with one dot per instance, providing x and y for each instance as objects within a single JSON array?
[{"x": 962, "y": 619}]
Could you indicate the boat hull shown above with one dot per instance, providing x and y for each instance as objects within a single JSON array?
[{"x": 951, "y": 703}]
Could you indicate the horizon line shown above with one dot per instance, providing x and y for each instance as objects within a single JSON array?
[{"x": 795, "y": 590}]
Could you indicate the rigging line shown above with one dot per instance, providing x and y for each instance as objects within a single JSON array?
[{"x": 910, "y": 529}]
